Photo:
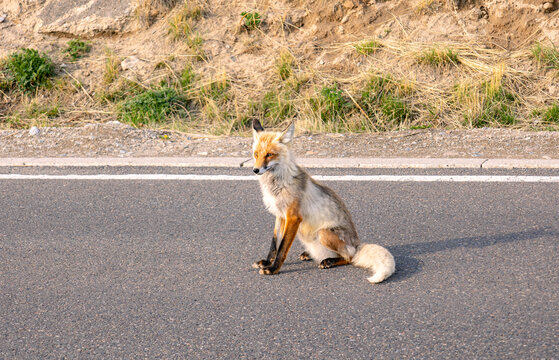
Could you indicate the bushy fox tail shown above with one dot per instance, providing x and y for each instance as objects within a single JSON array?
[{"x": 375, "y": 258}]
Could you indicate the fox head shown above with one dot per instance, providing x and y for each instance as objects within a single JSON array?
[{"x": 270, "y": 148}]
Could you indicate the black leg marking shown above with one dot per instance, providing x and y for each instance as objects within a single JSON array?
[{"x": 332, "y": 262}]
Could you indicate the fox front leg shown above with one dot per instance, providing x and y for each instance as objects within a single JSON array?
[
  {"x": 288, "y": 232},
  {"x": 273, "y": 247}
]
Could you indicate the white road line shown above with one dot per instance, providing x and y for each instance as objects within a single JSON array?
[{"x": 370, "y": 178}]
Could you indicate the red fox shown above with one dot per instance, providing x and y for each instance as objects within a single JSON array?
[{"x": 309, "y": 210}]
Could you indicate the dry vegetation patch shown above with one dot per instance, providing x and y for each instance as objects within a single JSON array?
[{"x": 210, "y": 66}]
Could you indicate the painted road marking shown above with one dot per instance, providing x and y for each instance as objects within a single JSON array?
[{"x": 370, "y": 178}]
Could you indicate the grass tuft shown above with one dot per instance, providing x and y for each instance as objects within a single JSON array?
[
  {"x": 545, "y": 55},
  {"x": 112, "y": 67},
  {"x": 367, "y": 47},
  {"x": 438, "y": 57}
]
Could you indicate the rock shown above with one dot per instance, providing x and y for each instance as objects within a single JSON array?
[
  {"x": 34, "y": 131},
  {"x": 548, "y": 7},
  {"x": 86, "y": 18},
  {"x": 130, "y": 62},
  {"x": 3, "y": 17}
]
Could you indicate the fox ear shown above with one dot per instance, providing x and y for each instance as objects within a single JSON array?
[
  {"x": 257, "y": 126},
  {"x": 287, "y": 135}
]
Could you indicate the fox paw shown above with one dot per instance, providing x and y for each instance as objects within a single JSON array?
[
  {"x": 268, "y": 271},
  {"x": 261, "y": 264},
  {"x": 305, "y": 256}
]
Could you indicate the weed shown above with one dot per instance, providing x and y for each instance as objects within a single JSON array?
[
  {"x": 284, "y": 65},
  {"x": 112, "y": 64},
  {"x": 488, "y": 105},
  {"x": 331, "y": 104},
  {"x": 181, "y": 28},
  {"x": 252, "y": 20},
  {"x": 151, "y": 107},
  {"x": 35, "y": 110},
  {"x": 28, "y": 70},
  {"x": 188, "y": 76},
  {"x": 395, "y": 109},
  {"x": 381, "y": 100},
  {"x": 548, "y": 56},
  {"x": 275, "y": 107},
  {"x": 551, "y": 115},
  {"x": 215, "y": 91},
  {"x": 367, "y": 47},
  {"x": 123, "y": 89},
  {"x": 438, "y": 57},
  {"x": 77, "y": 49}
]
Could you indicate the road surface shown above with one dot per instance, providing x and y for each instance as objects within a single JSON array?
[{"x": 151, "y": 268}]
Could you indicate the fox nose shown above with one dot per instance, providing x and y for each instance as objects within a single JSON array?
[{"x": 256, "y": 170}]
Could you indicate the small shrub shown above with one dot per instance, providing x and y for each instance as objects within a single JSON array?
[
  {"x": 28, "y": 70},
  {"x": 548, "y": 56},
  {"x": 152, "y": 106},
  {"x": 439, "y": 57},
  {"x": 252, "y": 20},
  {"x": 368, "y": 47},
  {"x": 77, "y": 49}
]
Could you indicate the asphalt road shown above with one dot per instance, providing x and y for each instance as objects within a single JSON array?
[{"x": 161, "y": 269}]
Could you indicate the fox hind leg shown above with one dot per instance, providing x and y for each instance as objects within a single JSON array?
[
  {"x": 333, "y": 242},
  {"x": 332, "y": 262}
]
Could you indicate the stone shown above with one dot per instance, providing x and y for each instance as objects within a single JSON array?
[
  {"x": 130, "y": 62},
  {"x": 34, "y": 131},
  {"x": 85, "y": 18},
  {"x": 548, "y": 7}
]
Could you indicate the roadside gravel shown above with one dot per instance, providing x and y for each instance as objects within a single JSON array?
[{"x": 114, "y": 139}]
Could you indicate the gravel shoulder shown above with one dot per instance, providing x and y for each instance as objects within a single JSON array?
[{"x": 114, "y": 139}]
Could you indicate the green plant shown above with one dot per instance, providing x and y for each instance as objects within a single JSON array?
[
  {"x": 188, "y": 76},
  {"x": 252, "y": 20},
  {"x": 438, "y": 57},
  {"x": 152, "y": 106},
  {"x": 284, "y": 65},
  {"x": 551, "y": 115},
  {"x": 28, "y": 70},
  {"x": 35, "y": 110},
  {"x": 395, "y": 109},
  {"x": 367, "y": 47},
  {"x": 331, "y": 104},
  {"x": 77, "y": 49},
  {"x": 496, "y": 106},
  {"x": 549, "y": 56},
  {"x": 382, "y": 100},
  {"x": 112, "y": 64},
  {"x": 275, "y": 107}
]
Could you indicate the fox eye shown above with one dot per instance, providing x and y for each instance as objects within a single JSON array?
[{"x": 269, "y": 155}]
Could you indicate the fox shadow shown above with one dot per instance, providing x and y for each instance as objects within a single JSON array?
[{"x": 407, "y": 265}]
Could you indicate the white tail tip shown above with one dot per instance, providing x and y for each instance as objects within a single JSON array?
[{"x": 376, "y": 259}]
